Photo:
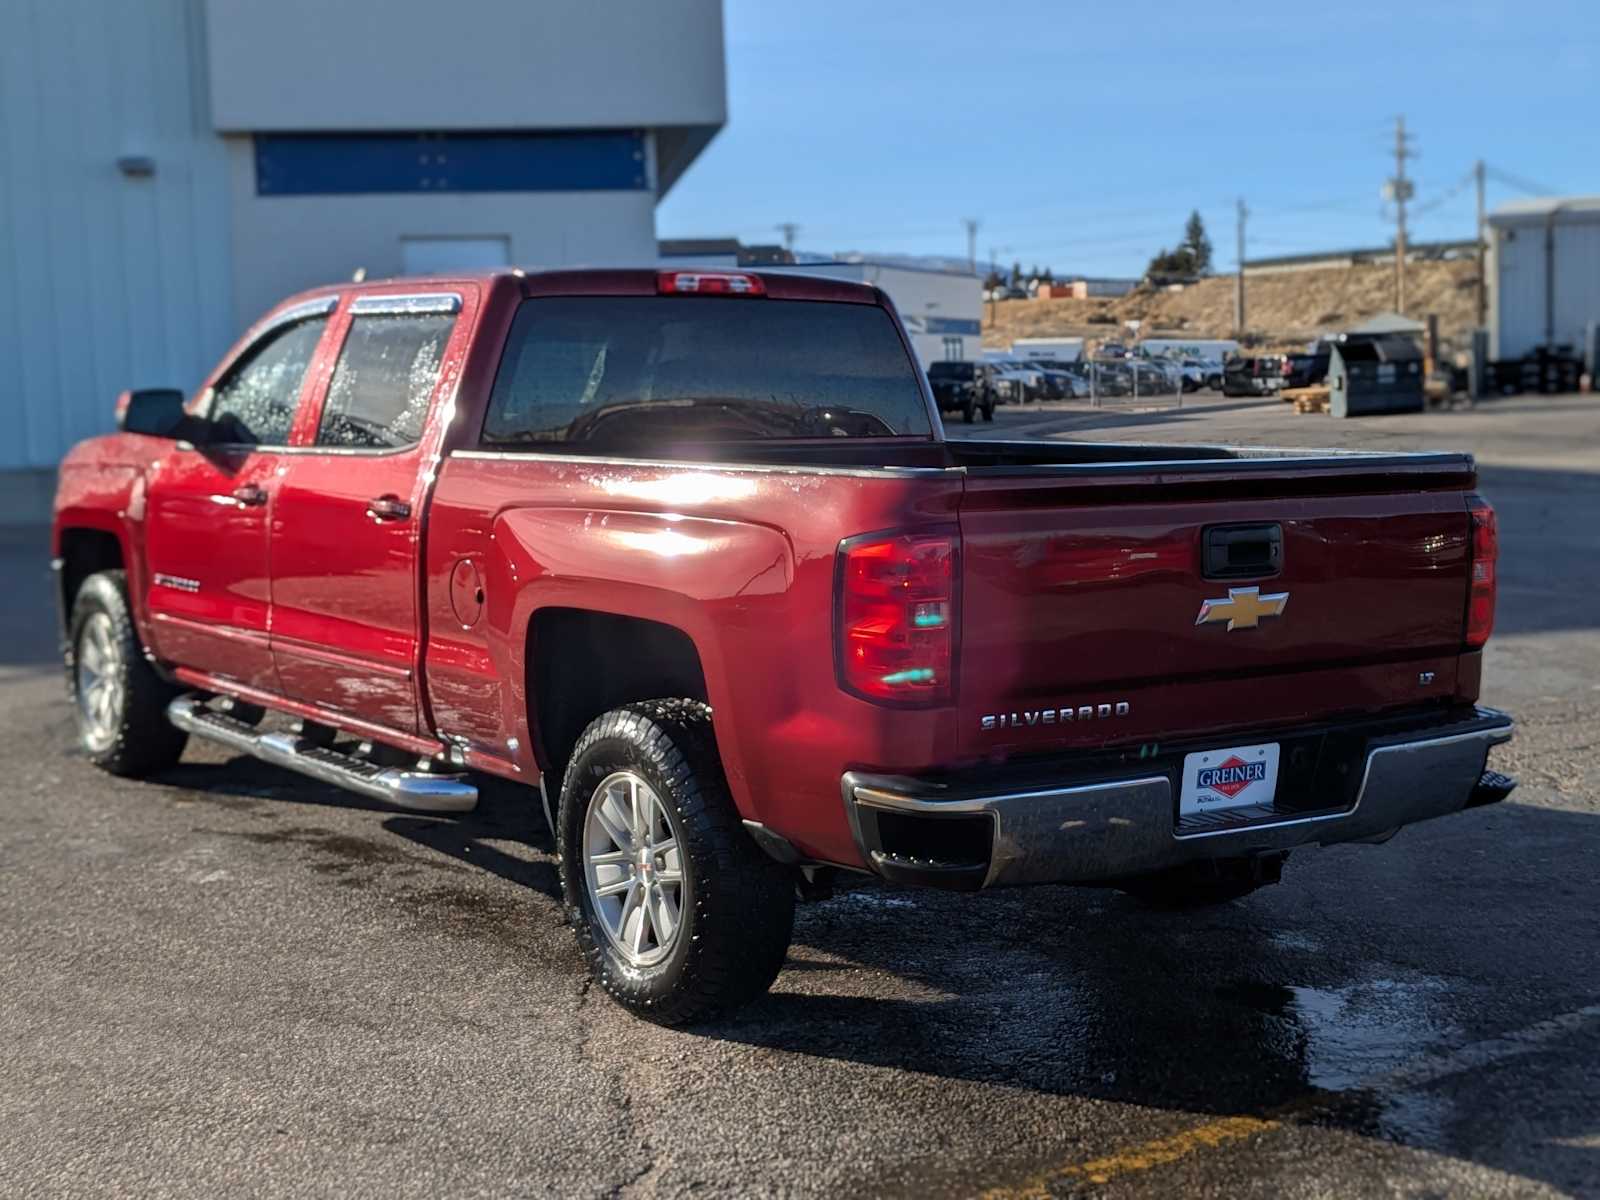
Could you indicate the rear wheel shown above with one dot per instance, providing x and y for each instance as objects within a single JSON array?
[
  {"x": 679, "y": 914},
  {"x": 118, "y": 699},
  {"x": 988, "y": 411},
  {"x": 969, "y": 408}
]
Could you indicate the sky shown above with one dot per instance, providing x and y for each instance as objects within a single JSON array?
[{"x": 1081, "y": 136}]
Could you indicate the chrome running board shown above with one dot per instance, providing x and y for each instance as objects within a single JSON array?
[{"x": 419, "y": 791}]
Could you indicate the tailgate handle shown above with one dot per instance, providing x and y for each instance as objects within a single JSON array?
[{"x": 1242, "y": 551}]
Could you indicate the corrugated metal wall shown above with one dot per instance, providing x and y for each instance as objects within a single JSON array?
[
  {"x": 1520, "y": 299},
  {"x": 106, "y": 281}
]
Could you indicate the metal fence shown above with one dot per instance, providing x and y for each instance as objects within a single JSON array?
[{"x": 1133, "y": 383}]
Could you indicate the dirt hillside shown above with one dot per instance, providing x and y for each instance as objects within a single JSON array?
[{"x": 1284, "y": 310}]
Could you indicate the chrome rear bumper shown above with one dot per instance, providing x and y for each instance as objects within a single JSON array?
[{"x": 1103, "y": 829}]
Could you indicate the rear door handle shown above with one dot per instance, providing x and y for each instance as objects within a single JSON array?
[
  {"x": 388, "y": 508},
  {"x": 250, "y": 495}
]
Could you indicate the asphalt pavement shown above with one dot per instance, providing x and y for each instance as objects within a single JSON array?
[{"x": 232, "y": 979}]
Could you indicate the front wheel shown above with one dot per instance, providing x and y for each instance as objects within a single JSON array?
[
  {"x": 118, "y": 699},
  {"x": 678, "y": 912},
  {"x": 968, "y": 411}
]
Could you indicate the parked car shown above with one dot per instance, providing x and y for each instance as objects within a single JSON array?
[
  {"x": 703, "y": 575},
  {"x": 1306, "y": 370},
  {"x": 1113, "y": 378},
  {"x": 1027, "y": 382},
  {"x": 1197, "y": 373},
  {"x": 963, "y": 387},
  {"x": 1060, "y": 381},
  {"x": 1253, "y": 375},
  {"x": 1153, "y": 378}
]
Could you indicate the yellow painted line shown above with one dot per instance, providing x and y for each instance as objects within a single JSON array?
[
  {"x": 1165, "y": 1150},
  {"x": 1424, "y": 1069},
  {"x": 1143, "y": 1157}
]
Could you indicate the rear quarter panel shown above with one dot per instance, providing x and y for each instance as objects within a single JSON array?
[{"x": 739, "y": 559}]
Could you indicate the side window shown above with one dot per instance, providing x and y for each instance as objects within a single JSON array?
[
  {"x": 378, "y": 397},
  {"x": 254, "y": 405}
]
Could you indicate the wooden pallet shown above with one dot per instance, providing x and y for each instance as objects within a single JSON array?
[{"x": 1307, "y": 399}]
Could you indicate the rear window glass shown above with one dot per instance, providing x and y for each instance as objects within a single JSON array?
[
  {"x": 653, "y": 369},
  {"x": 951, "y": 370}
]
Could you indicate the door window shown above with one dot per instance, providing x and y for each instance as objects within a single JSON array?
[
  {"x": 378, "y": 398},
  {"x": 254, "y": 405}
]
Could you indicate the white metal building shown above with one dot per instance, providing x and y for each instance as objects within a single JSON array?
[
  {"x": 942, "y": 310},
  {"x": 1544, "y": 274},
  {"x": 171, "y": 168}
]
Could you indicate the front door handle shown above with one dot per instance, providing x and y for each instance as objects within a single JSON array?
[
  {"x": 388, "y": 508},
  {"x": 250, "y": 495}
]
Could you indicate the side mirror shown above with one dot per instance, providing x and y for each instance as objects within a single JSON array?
[{"x": 157, "y": 412}]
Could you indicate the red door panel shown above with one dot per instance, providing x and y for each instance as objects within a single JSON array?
[
  {"x": 206, "y": 547},
  {"x": 345, "y": 584}
]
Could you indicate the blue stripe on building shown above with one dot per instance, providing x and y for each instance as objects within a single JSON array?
[{"x": 310, "y": 164}]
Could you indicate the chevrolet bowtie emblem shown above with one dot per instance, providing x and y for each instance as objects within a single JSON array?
[{"x": 1243, "y": 609}]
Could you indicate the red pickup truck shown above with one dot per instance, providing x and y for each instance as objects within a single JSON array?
[{"x": 688, "y": 553}]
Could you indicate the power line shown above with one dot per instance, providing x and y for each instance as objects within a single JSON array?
[
  {"x": 1444, "y": 198},
  {"x": 1521, "y": 185}
]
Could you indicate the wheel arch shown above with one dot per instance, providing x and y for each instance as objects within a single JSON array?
[
  {"x": 583, "y": 662},
  {"x": 82, "y": 551}
]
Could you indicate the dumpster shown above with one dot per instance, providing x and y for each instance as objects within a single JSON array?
[{"x": 1374, "y": 373}]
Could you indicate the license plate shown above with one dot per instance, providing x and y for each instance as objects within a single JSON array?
[{"x": 1233, "y": 777}]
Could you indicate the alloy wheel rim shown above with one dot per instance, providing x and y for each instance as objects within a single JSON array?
[
  {"x": 633, "y": 868},
  {"x": 99, "y": 681}
]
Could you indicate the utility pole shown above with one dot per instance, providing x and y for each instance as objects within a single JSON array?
[
  {"x": 788, "y": 229},
  {"x": 992, "y": 305},
  {"x": 994, "y": 256},
  {"x": 1483, "y": 249},
  {"x": 972, "y": 242},
  {"x": 1238, "y": 280},
  {"x": 1400, "y": 190}
]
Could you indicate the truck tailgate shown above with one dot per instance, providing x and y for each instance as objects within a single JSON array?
[{"x": 1098, "y": 611}]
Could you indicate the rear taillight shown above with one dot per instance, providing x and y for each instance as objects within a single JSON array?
[
  {"x": 1485, "y": 552},
  {"x": 896, "y": 611},
  {"x": 709, "y": 283}
]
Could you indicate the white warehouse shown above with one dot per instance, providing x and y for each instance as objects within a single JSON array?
[
  {"x": 942, "y": 310},
  {"x": 174, "y": 167},
  {"x": 1544, "y": 274}
]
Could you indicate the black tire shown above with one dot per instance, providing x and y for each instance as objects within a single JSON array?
[
  {"x": 736, "y": 904},
  {"x": 988, "y": 411},
  {"x": 129, "y": 734},
  {"x": 968, "y": 410},
  {"x": 1206, "y": 883}
]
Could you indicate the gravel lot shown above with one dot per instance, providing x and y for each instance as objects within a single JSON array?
[{"x": 232, "y": 979}]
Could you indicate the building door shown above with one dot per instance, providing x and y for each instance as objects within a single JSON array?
[
  {"x": 444, "y": 255},
  {"x": 208, "y": 510},
  {"x": 345, "y": 565}
]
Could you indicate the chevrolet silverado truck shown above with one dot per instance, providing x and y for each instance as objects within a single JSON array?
[{"x": 688, "y": 555}]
